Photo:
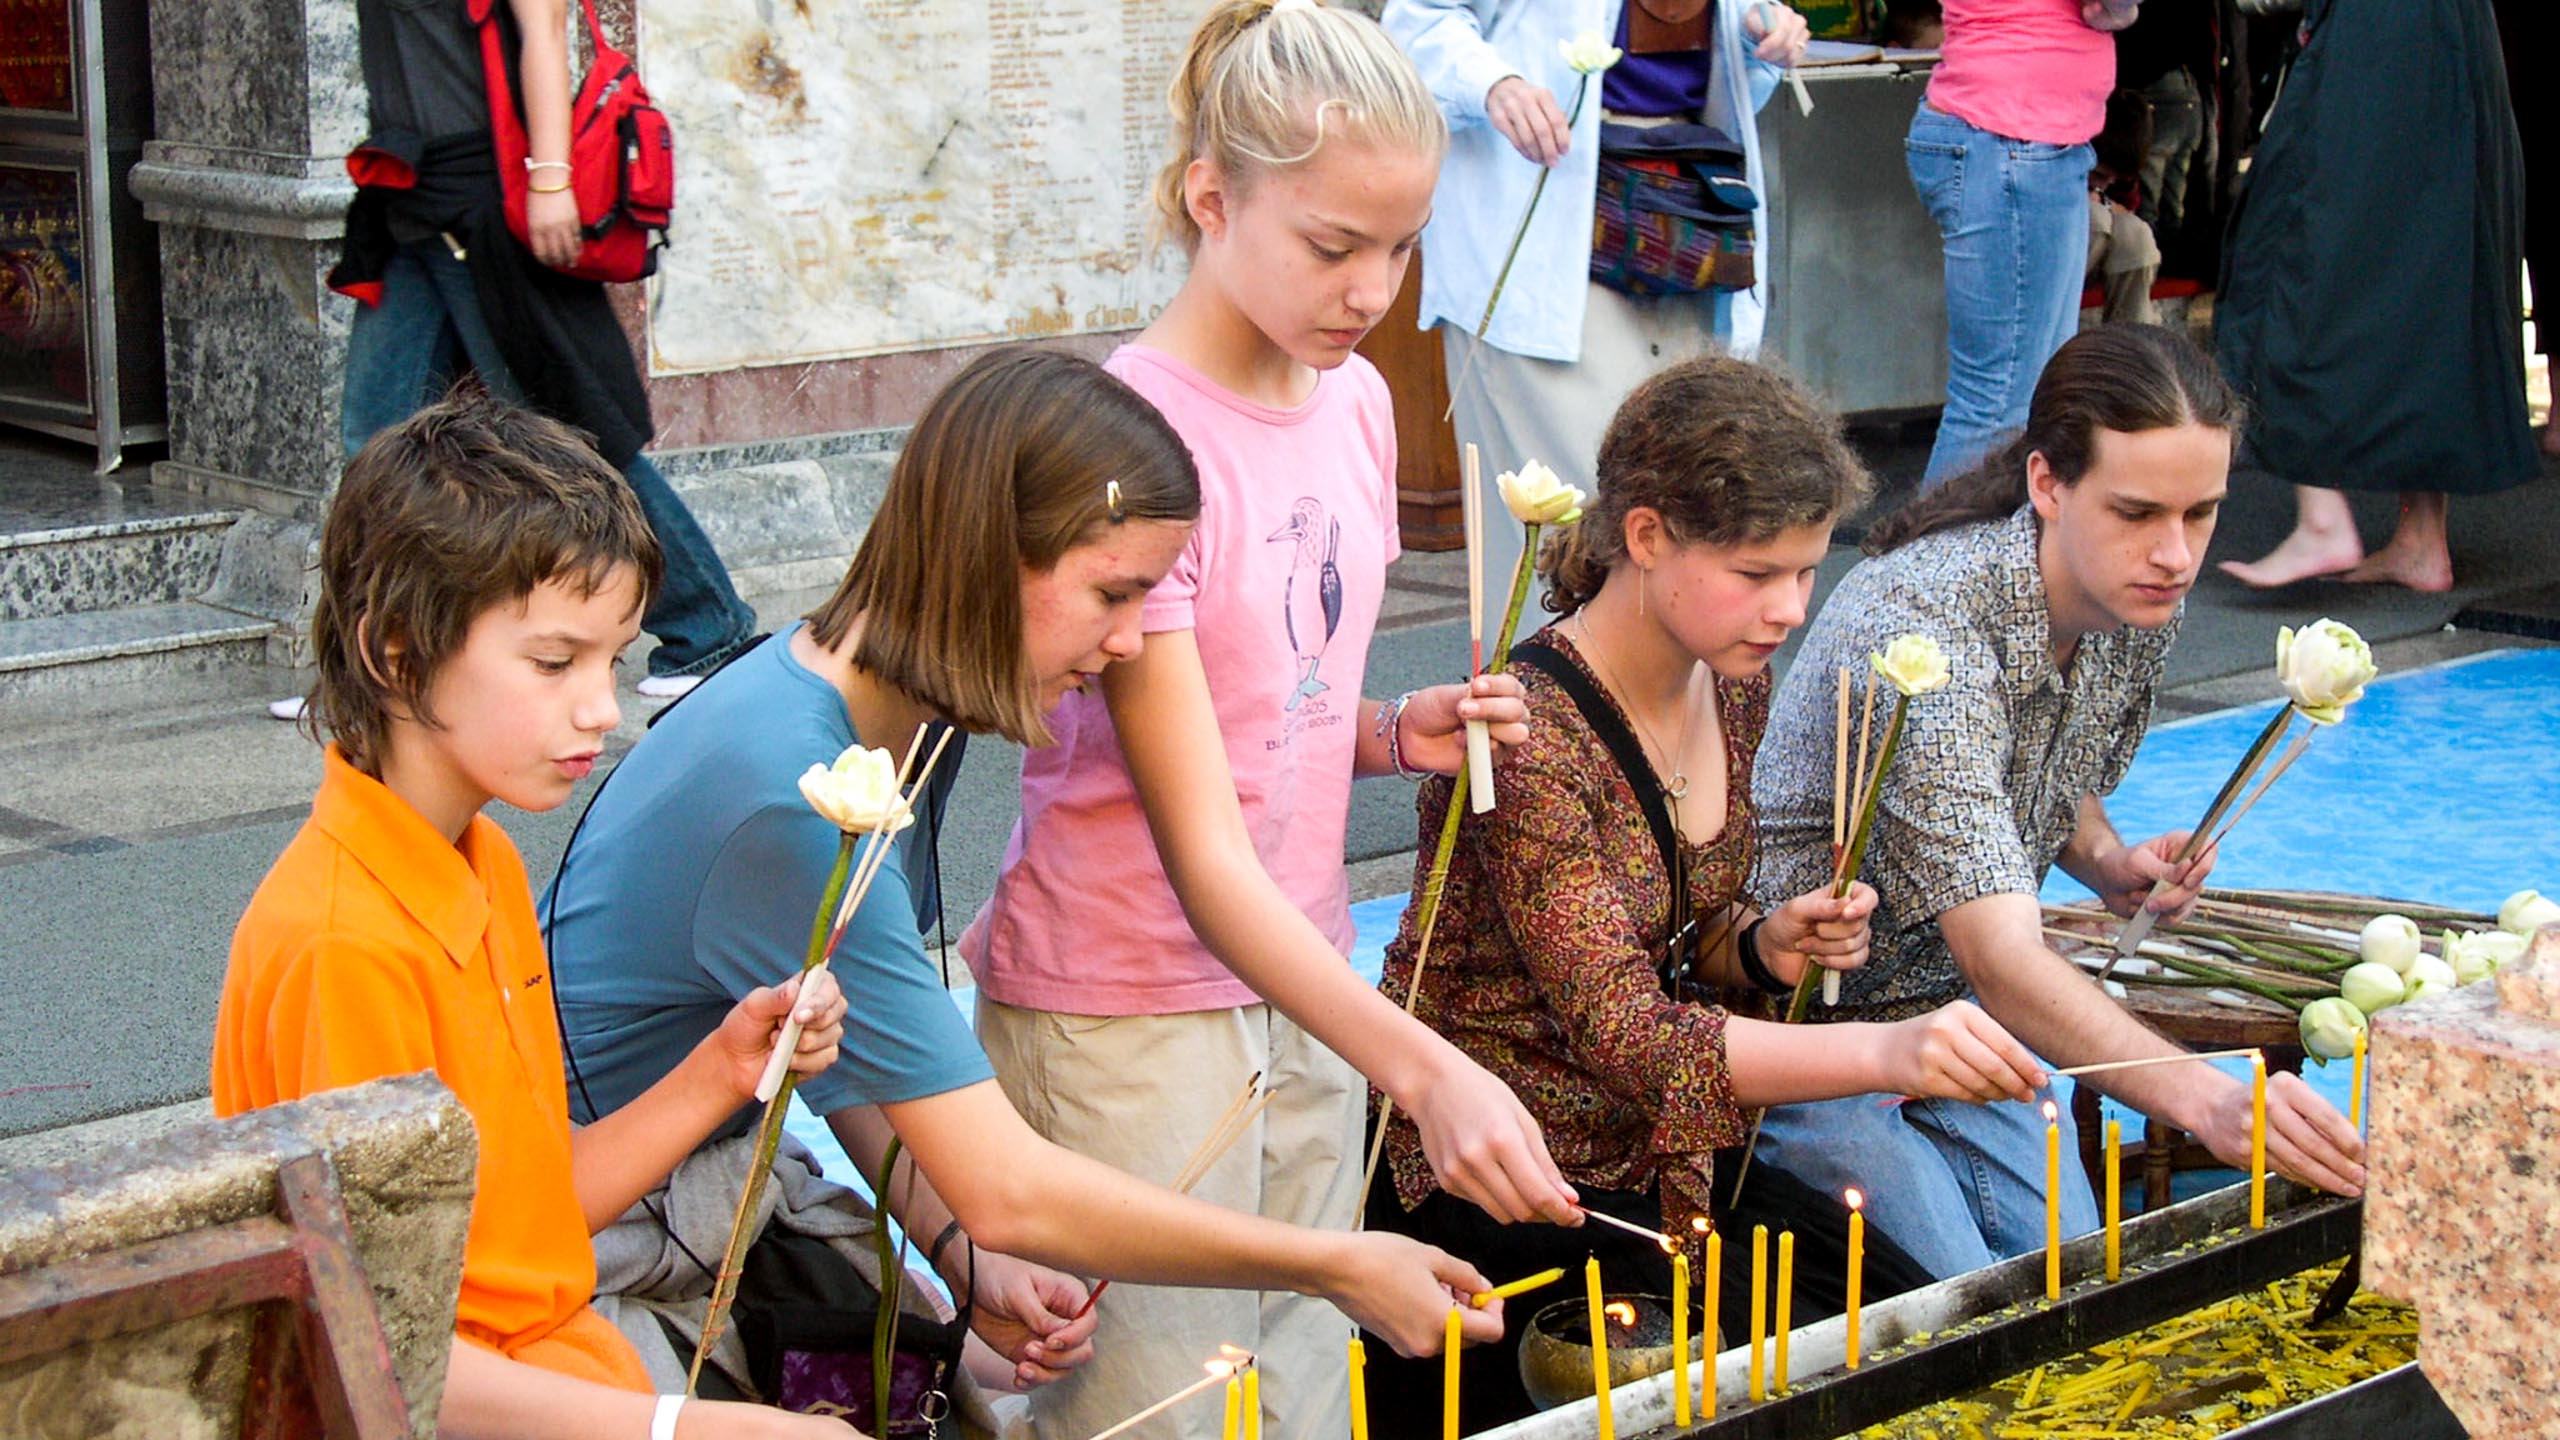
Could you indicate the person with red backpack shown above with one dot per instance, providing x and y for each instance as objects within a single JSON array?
[{"x": 469, "y": 106}]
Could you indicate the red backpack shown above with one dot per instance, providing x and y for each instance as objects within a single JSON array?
[{"x": 622, "y": 155}]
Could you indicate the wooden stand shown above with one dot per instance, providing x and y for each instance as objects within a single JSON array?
[
  {"x": 1426, "y": 446},
  {"x": 318, "y": 1361}
]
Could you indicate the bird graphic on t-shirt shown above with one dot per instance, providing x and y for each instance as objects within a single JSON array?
[{"x": 1311, "y": 602}]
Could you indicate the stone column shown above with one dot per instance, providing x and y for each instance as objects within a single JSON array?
[
  {"x": 2463, "y": 1189},
  {"x": 257, "y": 103}
]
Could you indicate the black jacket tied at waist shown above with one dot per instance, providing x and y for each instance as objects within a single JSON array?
[{"x": 561, "y": 342}]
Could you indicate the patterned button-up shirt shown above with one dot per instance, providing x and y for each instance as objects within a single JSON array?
[{"x": 1985, "y": 791}]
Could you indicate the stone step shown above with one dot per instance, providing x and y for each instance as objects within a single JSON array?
[
  {"x": 50, "y": 654},
  {"x": 112, "y": 564}
]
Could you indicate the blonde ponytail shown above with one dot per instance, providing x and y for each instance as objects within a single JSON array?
[{"x": 1262, "y": 86}]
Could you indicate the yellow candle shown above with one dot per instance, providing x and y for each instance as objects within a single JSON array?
[
  {"x": 2052, "y": 1202},
  {"x": 2258, "y": 1142},
  {"x": 1449, "y": 1380},
  {"x": 1680, "y": 1337},
  {"x": 1715, "y": 1294},
  {"x": 1253, "y": 1401},
  {"x": 2355, "y": 1086},
  {"x": 1857, "y": 1268},
  {"x": 1599, "y": 1350},
  {"x": 1786, "y": 1305},
  {"x": 1359, "y": 1390},
  {"x": 2115, "y": 1198},
  {"x": 1759, "y": 1306},
  {"x": 1235, "y": 1404},
  {"x": 1521, "y": 1286}
]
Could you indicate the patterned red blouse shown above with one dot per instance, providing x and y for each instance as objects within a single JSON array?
[{"x": 1542, "y": 961}]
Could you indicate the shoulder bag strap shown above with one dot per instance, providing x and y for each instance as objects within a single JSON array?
[{"x": 1603, "y": 719}]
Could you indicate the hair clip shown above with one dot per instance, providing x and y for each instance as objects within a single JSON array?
[{"x": 1111, "y": 501}]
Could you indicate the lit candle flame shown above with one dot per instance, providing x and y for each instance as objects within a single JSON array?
[
  {"x": 1624, "y": 1312},
  {"x": 2050, "y": 1112},
  {"x": 1698, "y": 1223},
  {"x": 1856, "y": 1198}
]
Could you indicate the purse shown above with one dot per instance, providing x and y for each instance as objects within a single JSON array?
[
  {"x": 1673, "y": 213},
  {"x": 622, "y": 155}
]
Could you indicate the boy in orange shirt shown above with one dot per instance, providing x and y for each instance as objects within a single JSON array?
[{"x": 481, "y": 573}]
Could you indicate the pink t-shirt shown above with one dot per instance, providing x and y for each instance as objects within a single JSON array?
[
  {"x": 2027, "y": 69},
  {"x": 1281, "y": 585}
]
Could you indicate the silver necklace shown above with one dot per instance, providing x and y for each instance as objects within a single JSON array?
[{"x": 1678, "y": 785}]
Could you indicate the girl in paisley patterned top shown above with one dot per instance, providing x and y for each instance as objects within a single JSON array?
[{"x": 1719, "y": 483}]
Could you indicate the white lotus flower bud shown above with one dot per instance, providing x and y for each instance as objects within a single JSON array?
[
  {"x": 2330, "y": 1027},
  {"x": 1538, "y": 496},
  {"x": 1590, "y": 52},
  {"x": 2527, "y": 911},
  {"x": 859, "y": 793},
  {"x": 2372, "y": 988},
  {"x": 2391, "y": 940},
  {"x": 2481, "y": 954},
  {"x": 2429, "y": 978},
  {"x": 2324, "y": 668},
  {"x": 1912, "y": 664}
]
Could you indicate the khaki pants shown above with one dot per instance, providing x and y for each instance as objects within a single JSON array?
[
  {"x": 1140, "y": 1093},
  {"x": 2123, "y": 250}
]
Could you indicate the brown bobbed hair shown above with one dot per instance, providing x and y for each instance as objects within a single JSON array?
[
  {"x": 469, "y": 504},
  {"x": 1011, "y": 466},
  {"x": 2125, "y": 378},
  {"x": 1728, "y": 452}
]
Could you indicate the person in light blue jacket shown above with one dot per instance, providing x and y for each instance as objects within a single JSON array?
[{"x": 1562, "y": 351}]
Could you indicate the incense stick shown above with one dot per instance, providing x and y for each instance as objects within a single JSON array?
[
  {"x": 1840, "y": 775},
  {"x": 1471, "y": 522},
  {"x": 1657, "y": 1237},
  {"x": 2248, "y": 1053},
  {"x": 1219, "y": 1370},
  {"x": 2275, "y": 772},
  {"x": 1238, "y": 1118},
  {"x": 1866, "y": 720}
]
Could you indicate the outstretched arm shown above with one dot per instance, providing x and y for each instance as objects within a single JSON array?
[{"x": 1482, "y": 1144}]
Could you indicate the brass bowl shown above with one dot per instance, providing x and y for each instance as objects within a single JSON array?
[{"x": 1555, "y": 1351}]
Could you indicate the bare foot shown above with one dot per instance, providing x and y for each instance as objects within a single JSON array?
[
  {"x": 2406, "y": 566},
  {"x": 2303, "y": 555},
  {"x": 2551, "y": 434}
]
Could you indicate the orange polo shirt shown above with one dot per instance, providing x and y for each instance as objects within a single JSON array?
[{"x": 375, "y": 947}]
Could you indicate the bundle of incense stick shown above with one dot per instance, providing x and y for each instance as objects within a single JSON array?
[
  {"x": 1239, "y": 1117},
  {"x": 867, "y": 863},
  {"x": 1848, "y": 799}
]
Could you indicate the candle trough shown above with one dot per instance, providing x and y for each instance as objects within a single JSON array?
[{"x": 1952, "y": 1337}]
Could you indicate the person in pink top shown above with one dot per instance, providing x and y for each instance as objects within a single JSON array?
[
  {"x": 1999, "y": 152},
  {"x": 1173, "y": 915}
]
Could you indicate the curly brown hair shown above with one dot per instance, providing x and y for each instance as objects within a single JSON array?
[
  {"x": 468, "y": 504},
  {"x": 1727, "y": 452}
]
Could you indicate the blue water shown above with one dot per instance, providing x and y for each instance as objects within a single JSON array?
[{"x": 2438, "y": 787}]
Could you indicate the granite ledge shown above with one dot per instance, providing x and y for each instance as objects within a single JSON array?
[{"x": 297, "y": 207}]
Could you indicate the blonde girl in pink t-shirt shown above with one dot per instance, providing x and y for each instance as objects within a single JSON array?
[{"x": 1173, "y": 912}]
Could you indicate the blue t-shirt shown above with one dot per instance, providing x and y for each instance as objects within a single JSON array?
[{"x": 695, "y": 880}]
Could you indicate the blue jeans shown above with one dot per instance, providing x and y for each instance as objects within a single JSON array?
[
  {"x": 2014, "y": 219},
  {"x": 1958, "y": 1186},
  {"x": 428, "y": 328}
]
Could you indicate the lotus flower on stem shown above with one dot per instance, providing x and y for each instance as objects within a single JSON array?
[
  {"x": 1587, "y": 54},
  {"x": 1537, "y": 498},
  {"x": 869, "y": 801},
  {"x": 1914, "y": 665},
  {"x": 2322, "y": 669}
]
